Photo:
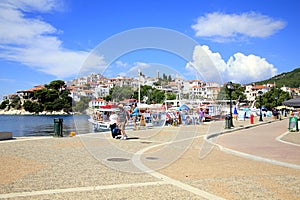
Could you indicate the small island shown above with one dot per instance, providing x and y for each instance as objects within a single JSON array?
[{"x": 48, "y": 99}]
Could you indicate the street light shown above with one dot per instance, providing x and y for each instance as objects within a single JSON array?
[
  {"x": 285, "y": 109},
  {"x": 230, "y": 89},
  {"x": 276, "y": 97},
  {"x": 150, "y": 92},
  {"x": 260, "y": 114}
]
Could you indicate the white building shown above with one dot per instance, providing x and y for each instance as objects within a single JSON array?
[
  {"x": 251, "y": 91},
  {"x": 211, "y": 90},
  {"x": 101, "y": 91},
  {"x": 97, "y": 103}
]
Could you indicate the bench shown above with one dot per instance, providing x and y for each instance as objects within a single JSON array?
[{"x": 5, "y": 135}]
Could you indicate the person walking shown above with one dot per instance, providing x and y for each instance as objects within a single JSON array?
[
  {"x": 113, "y": 124},
  {"x": 135, "y": 115},
  {"x": 201, "y": 115},
  {"x": 122, "y": 121}
]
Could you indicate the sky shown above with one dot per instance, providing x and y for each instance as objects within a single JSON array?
[{"x": 213, "y": 40}]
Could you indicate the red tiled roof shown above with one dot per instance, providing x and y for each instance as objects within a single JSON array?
[
  {"x": 98, "y": 100},
  {"x": 259, "y": 87},
  {"x": 38, "y": 87}
]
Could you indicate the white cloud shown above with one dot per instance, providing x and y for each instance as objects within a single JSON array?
[
  {"x": 34, "y": 5},
  {"x": 245, "y": 69},
  {"x": 207, "y": 63},
  {"x": 7, "y": 80},
  {"x": 121, "y": 64},
  {"x": 239, "y": 68},
  {"x": 34, "y": 42},
  {"x": 222, "y": 27}
]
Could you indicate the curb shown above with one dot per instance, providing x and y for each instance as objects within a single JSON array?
[
  {"x": 207, "y": 137},
  {"x": 246, "y": 155}
]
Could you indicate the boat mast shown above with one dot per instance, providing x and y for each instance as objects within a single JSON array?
[{"x": 139, "y": 74}]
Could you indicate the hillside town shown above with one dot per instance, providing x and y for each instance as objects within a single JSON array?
[{"x": 95, "y": 87}]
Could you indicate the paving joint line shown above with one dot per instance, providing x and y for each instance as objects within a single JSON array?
[
  {"x": 80, "y": 189},
  {"x": 136, "y": 160}
]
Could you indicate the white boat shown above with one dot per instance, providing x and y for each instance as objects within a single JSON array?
[{"x": 100, "y": 118}]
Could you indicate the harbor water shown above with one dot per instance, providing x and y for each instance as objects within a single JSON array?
[{"x": 43, "y": 125}]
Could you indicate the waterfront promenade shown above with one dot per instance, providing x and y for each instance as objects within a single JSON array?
[{"x": 259, "y": 161}]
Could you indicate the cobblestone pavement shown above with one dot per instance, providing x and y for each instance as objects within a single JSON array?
[{"x": 186, "y": 166}]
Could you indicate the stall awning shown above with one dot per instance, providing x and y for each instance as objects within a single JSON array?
[{"x": 293, "y": 102}]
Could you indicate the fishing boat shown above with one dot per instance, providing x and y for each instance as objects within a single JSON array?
[{"x": 100, "y": 117}]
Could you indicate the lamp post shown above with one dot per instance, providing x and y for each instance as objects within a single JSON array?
[
  {"x": 150, "y": 92},
  {"x": 260, "y": 113},
  {"x": 230, "y": 89},
  {"x": 277, "y": 113},
  {"x": 139, "y": 94},
  {"x": 285, "y": 109}
]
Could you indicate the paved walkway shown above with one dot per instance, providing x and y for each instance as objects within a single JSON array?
[
  {"x": 261, "y": 141},
  {"x": 164, "y": 163}
]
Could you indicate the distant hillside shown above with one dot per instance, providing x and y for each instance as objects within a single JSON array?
[{"x": 289, "y": 79}]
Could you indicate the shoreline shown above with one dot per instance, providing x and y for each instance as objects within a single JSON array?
[{"x": 22, "y": 112}]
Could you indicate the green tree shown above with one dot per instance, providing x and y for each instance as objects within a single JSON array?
[
  {"x": 4, "y": 104},
  {"x": 16, "y": 103},
  {"x": 32, "y": 106},
  {"x": 170, "y": 96},
  {"x": 40, "y": 95},
  {"x": 273, "y": 98},
  {"x": 82, "y": 105},
  {"x": 51, "y": 95},
  {"x": 67, "y": 101},
  {"x": 289, "y": 79},
  {"x": 56, "y": 85},
  {"x": 156, "y": 96},
  {"x": 54, "y": 97},
  {"x": 120, "y": 93},
  {"x": 153, "y": 94},
  {"x": 237, "y": 92},
  {"x": 49, "y": 106}
]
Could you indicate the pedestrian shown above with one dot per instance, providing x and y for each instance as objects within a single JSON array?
[
  {"x": 275, "y": 113},
  {"x": 113, "y": 124},
  {"x": 122, "y": 121},
  {"x": 135, "y": 115},
  {"x": 201, "y": 115}
]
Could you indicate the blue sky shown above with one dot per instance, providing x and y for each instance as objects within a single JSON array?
[{"x": 44, "y": 40}]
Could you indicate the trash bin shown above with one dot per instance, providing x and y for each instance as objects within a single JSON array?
[
  {"x": 227, "y": 122},
  {"x": 293, "y": 124},
  {"x": 58, "y": 127}
]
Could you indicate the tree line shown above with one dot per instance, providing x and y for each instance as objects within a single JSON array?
[
  {"x": 54, "y": 97},
  {"x": 271, "y": 99}
]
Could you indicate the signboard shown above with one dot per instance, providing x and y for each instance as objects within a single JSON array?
[{"x": 293, "y": 124}]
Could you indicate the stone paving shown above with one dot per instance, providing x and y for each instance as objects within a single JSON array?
[{"x": 95, "y": 166}]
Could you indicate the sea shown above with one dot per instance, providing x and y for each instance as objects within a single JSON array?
[{"x": 43, "y": 125}]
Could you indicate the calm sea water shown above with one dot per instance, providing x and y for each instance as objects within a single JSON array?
[{"x": 21, "y": 125}]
